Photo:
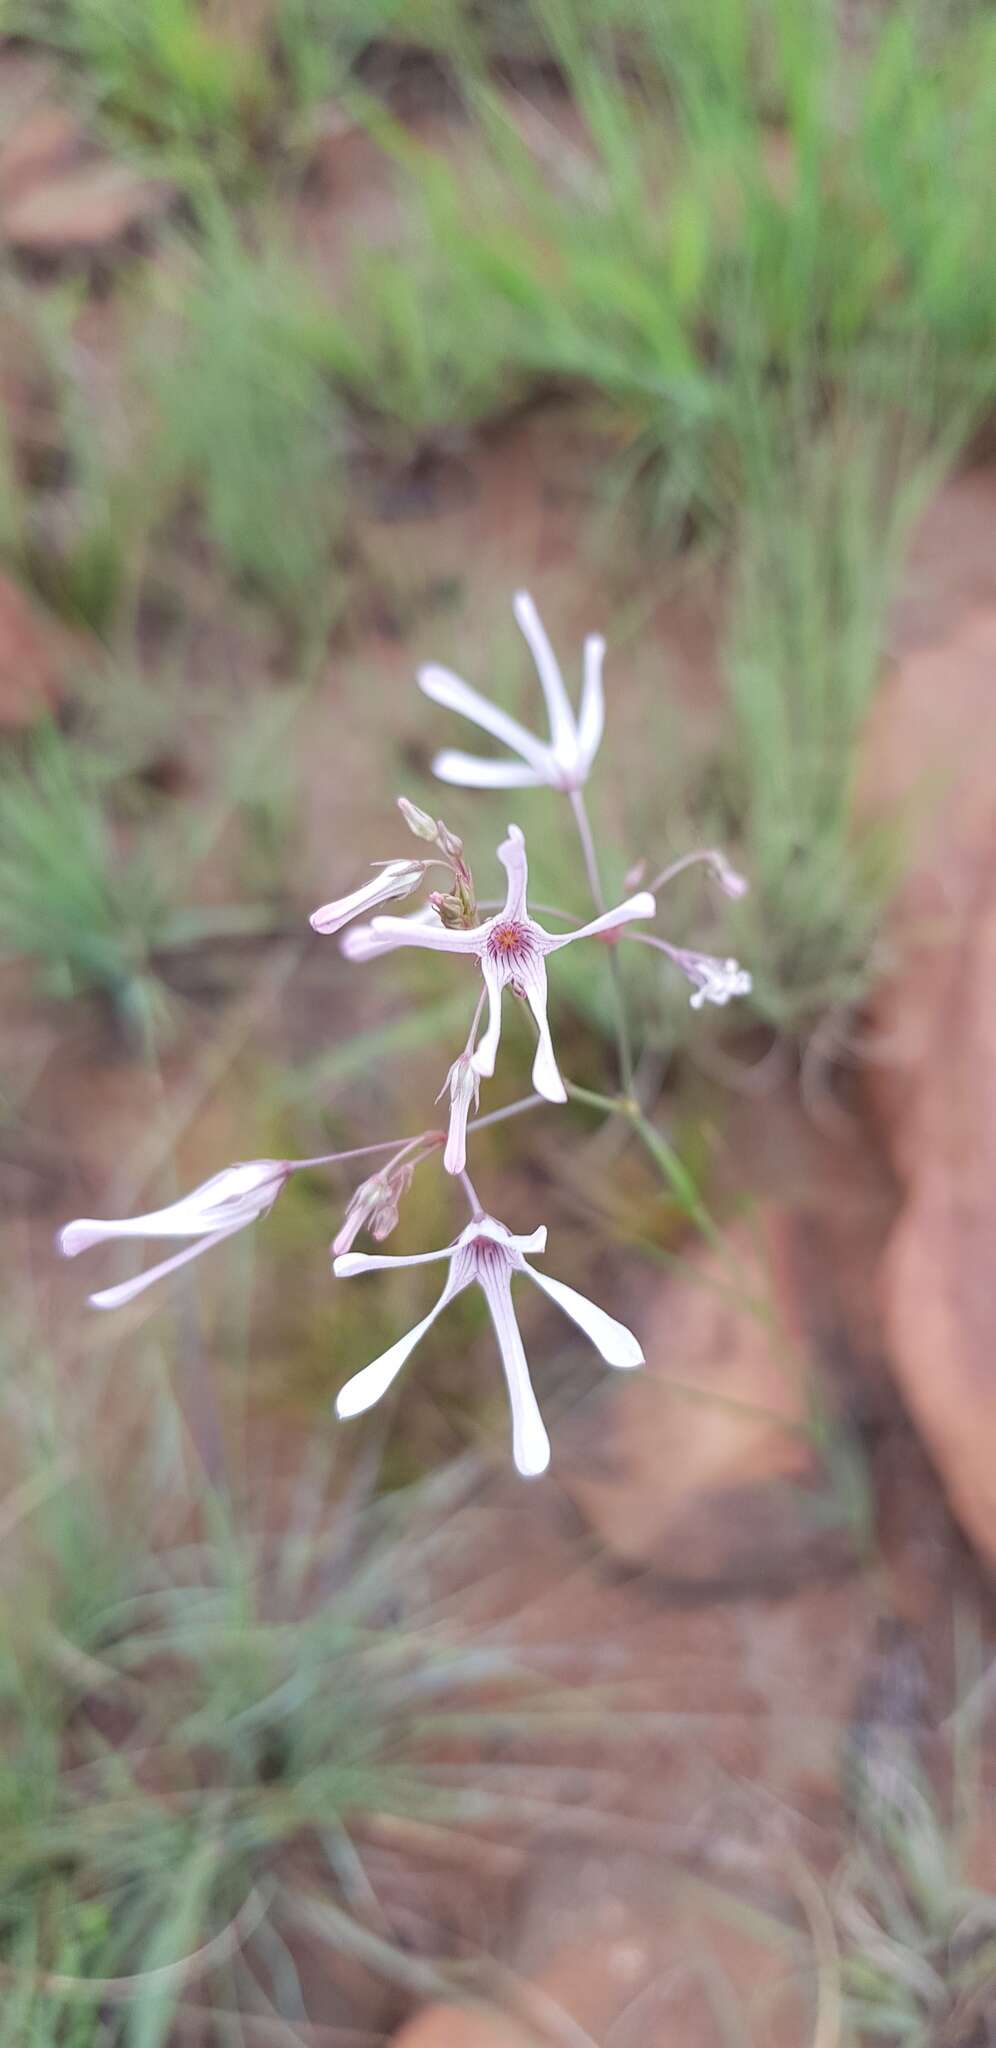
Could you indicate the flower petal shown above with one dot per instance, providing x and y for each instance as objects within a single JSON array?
[
  {"x": 443, "y": 687},
  {"x": 471, "y": 771},
  {"x": 486, "y": 1053},
  {"x": 617, "y": 1345},
  {"x": 464, "y": 1089},
  {"x": 408, "y": 931},
  {"x": 535, "y": 1242},
  {"x": 396, "y": 878},
  {"x": 563, "y": 731},
  {"x": 115, "y": 1297},
  {"x": 512, "y": 854},
  {"x": 530, "y": 1443},
  {"x": 546, "y": 1074},
  {"x": 367, "y": 1386},
  {"x": 235, "y": 1196},
  {"x": 345, "y": 1264},
  {"x": 591, "y": 723},
  {"x": 642, "y": 905},
  {"x": 361, "y": 942}
]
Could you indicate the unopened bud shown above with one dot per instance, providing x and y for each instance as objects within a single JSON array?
[
  {"x": 417, "y": 821},
  {"x": 451, "y": 910},
  {"x": 448, "y": 842},
  {"x": 635, "y": 875},
  {"x": 730, "y": 880},
  {"x": 384, "y": 1221}
]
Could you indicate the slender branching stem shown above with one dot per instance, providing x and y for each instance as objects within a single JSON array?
[
  {"x": 623, "y": 1041},
  {"x": 499, "y": 1116}
]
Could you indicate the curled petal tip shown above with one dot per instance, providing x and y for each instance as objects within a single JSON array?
[{"x": 75, "y": 1237}]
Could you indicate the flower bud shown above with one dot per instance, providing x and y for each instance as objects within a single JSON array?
[
  {"x": 730, "y": 880},
  {"x": 453, "y": 911},
  {"x": 417, "y": 821},
  {"x": 449, "y": 843}
]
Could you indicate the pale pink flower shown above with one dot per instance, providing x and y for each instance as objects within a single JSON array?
[
  {"x": 487, "y": 1254},
  {"x": 564, "y": 761},
  {"x": 222, "y": 1205},
  {"x": 395, "y": 878},
  {"x": 511, "y": 949}
]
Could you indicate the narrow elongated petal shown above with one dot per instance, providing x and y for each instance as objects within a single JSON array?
[
  {"x": 409, "y": 931},
  {"x": 617, "y": 1345},
  {"x": 115, "y": 1297},
  {"x": 530, "y": 1443},
  {"x": 486, "y": 1053},
  {"x": 512, "y": 854},
  {"x": 396, "y": 878},
  {"x": 236, "y": 1195},
  {"x": 345, "y": 1264},
  {"x": 591, "y": 723},
  {"x": 642, "y": 905},
  {"x": 546, "y": 1074},
  {"x": 455, "y": 695},
  {"x": 563, "y": 731},
  {"x": 367, "y": 1386},
  {"x": 361, "y": 942},
  {"x": 464, "y": 1088},
  {"x": 471, "y": 771}
]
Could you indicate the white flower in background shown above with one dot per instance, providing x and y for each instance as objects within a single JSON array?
[
  {"x": 511, "y": 949},
  {"x": 564, "y": 761},
  {"x": 222, "y": 1205},
  {"x": 715, "y": 981},
  {"x": 396, "y": 878},
  {"x": 487, "y": 1254}
]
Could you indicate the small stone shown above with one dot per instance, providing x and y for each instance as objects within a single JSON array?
[
  {"x": 45, "y": 140},
  {"x": 80, "y": 212}
]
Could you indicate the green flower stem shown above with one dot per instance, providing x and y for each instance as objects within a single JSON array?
[{"x": 623, "y": 1040}]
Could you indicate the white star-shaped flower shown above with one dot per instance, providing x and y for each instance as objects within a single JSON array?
[
  {"x": 564, "y": 761},
  {"x": 488, "y": 1254},
  {"x": 511, "y": 950}
]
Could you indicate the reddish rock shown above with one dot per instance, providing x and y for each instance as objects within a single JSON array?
[
  {"x": 454, "y": 2026},
  {"x": 933, "y": 1083},
  {"x": 703, "y": 1462},
  {"x": 613, "y": 1950},
  {"x": 938, "y": 1291}
]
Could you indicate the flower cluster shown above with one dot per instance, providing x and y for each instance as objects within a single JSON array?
[{"x": 507, "y": 950}]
